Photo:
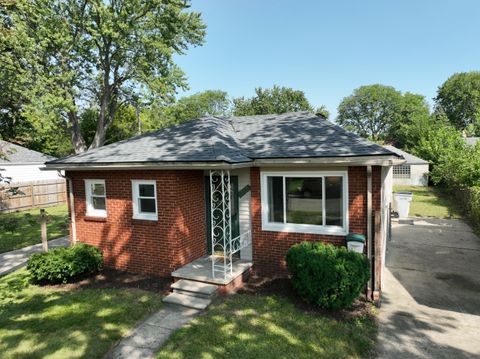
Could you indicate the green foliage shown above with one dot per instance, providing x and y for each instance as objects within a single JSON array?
[
  {"x": 382, "y": 113},
  {"x": 206, "y": 103},
  {"x": 9, "y": 224},
  {"x": 325, "y": 275},
  {"x": 459, "y": 97},
  {"x": 436, "y": 141},
  {"x": 458, "y": 167},
  {"x": 63, "y": 265},
  {"x": 65, "y": 56},
  {"x": 275, "y": 100}
]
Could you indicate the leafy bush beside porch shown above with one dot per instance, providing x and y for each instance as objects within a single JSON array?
[{"x": 325, "y": 275}]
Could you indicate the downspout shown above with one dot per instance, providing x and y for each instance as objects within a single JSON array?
[
  {"x": 369, "y": 225},
  {"x": 73, "y": 237}
]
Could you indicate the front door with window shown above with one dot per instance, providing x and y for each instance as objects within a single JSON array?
[{"x": 234, "y": 210}]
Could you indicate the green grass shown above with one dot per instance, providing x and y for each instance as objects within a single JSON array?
[
  {"x": 269, "y": 327},
  {"x": 25, "y": 230},
  {"x": 47, "y": 322},
  {"x": 431, "y": 202}
]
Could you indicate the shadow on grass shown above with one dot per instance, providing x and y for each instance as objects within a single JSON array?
[
  {"x": 258, "y": 326},
  {"x": 36, "y": 322}
]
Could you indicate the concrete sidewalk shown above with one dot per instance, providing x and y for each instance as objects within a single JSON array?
[
  {"x": 431, "y": 297},
  {"x": 149, "y": 336},
  {"x": 11, "y": 261}
]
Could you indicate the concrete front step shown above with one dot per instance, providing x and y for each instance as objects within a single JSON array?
[
  {"x": 187, "y": 301},
  {"x": 195, "y": 289}
]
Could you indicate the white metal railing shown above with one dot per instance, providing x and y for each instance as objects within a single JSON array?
[
  {"x": 223, "y": 245},
  {"x": 240, "y": 242}
]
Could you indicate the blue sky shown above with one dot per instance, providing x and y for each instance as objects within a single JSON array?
[{"x": 328, "y": 48}]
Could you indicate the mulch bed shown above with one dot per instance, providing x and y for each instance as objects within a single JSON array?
[
  {"x": 282, "y": 287},
  {"x": 111, "y": 278}
]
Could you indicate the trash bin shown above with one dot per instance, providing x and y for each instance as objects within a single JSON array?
[
  {"x": 355, "y": 242},
  {"x": 402, "y": 203}
]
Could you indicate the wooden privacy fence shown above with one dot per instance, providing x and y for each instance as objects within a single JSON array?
[{"x": 32, "y": 194}]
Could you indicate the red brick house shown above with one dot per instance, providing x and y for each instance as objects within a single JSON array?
[{"x": 212, "y": 199}]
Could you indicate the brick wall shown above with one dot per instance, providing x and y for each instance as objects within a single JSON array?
[
  {"x": 140, "y": 246},
  {"x": 269, "y": 247}
]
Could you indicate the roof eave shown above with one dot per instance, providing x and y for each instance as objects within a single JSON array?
[
  {"x": 380, "y": 160},
  {"x": 373, "y": 160},
  {"x": 144, "y": 165}
]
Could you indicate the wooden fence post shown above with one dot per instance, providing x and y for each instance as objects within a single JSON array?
[{"x": 43, "y": 226}]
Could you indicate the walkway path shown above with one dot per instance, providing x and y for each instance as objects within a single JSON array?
[
  {"x": 431, "y": 297},
  {"x": 149, "y": 336},
  {"x": 10, "y": 261}
]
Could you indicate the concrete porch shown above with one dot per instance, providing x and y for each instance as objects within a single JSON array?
[{"x": 200, "y": 270}]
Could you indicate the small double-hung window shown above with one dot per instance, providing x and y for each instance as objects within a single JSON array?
[
  {"x": 96, "y": 198},
  {"x": 144, "y": 198}
]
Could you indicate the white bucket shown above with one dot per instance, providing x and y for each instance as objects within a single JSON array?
[
  {"x": 402, "y": 203},
  {"x": 355, "y": 246}
]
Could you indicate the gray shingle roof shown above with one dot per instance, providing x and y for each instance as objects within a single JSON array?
[
  {"x": 409, "y": 158},
  {"x": 235, "y": 140},
  {"x": 16, "y": 154}
]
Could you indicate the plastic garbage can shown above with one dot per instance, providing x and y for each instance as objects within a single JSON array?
[
  {"x": 402, "y": 203},
  {"x": 355, "y": 242}
]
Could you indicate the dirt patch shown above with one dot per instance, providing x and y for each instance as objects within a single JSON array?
[
  {"x": 282, "y": 287},
  {"x": 111, "y": 278}
]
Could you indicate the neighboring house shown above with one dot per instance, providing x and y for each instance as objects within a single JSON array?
[
  {"x": 210, "y": 198},
  {"x": 414, "y": 172},
  {"x": 24, "y": 165}
]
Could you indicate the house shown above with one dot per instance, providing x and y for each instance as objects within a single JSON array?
[
  {"x": 414, "y": 172},
  {"x": 24, "y": 165},
  {"x": 214, "y": 199}
]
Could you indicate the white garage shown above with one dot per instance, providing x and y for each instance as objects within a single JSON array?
[{"x": 414, "y": 172}]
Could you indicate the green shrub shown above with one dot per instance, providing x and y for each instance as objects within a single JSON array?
[
  {"x": 64, "y": 265},
  {"x": 327, "y": 276}
]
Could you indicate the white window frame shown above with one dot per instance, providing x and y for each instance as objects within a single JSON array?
[
  {"x": 296, "y": 227},
  {"x": 90, "y": 211},
  {"x": 136, "y": 197}
]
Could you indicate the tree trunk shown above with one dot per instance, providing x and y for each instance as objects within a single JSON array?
[{"x": 78, "y": 142}]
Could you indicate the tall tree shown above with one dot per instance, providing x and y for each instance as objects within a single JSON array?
[
  {"x": 93, "y": 53},
  {"x": 414, "y": 118},
  {"x": 371, "y": 111},
  {"x": 459, "y": 97},
  {"x": 275, "y": 100}
]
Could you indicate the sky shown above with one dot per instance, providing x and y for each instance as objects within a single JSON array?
[{"x": 329, "y": 48}]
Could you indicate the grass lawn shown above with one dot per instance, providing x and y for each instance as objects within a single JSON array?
[
  {"x": 269, "y": 326},
  {"x": 54, "y": 322},
  {"x": 431, "y": 202},
  {"x": 26, "y": 228}
]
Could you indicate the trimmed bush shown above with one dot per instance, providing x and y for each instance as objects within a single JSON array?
[
  {"x": 327, "y": 276},
  {"x": 63, "y": 265}
]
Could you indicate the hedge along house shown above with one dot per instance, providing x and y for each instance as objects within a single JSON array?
[{"x": 213, "y": 199}]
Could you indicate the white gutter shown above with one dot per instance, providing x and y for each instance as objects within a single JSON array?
[
  {"x": 331, "y": 161},
  {"x": 369, "y": 223},
  {"x": 73, "y": 238},
  {"x": 72, "y": 211}
]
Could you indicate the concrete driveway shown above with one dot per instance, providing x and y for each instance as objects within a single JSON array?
[{"x": 431, "y": 295}]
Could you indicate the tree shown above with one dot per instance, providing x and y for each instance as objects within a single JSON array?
[
  {"x": 77, "y": 54},
  {"x": 200, "y": 104},
  {"x": 414, "y": 119},
  {"x": 268, "y": 101},
  {"x": 371, "y": 111},
  {"x": 459, "y": 97}
]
